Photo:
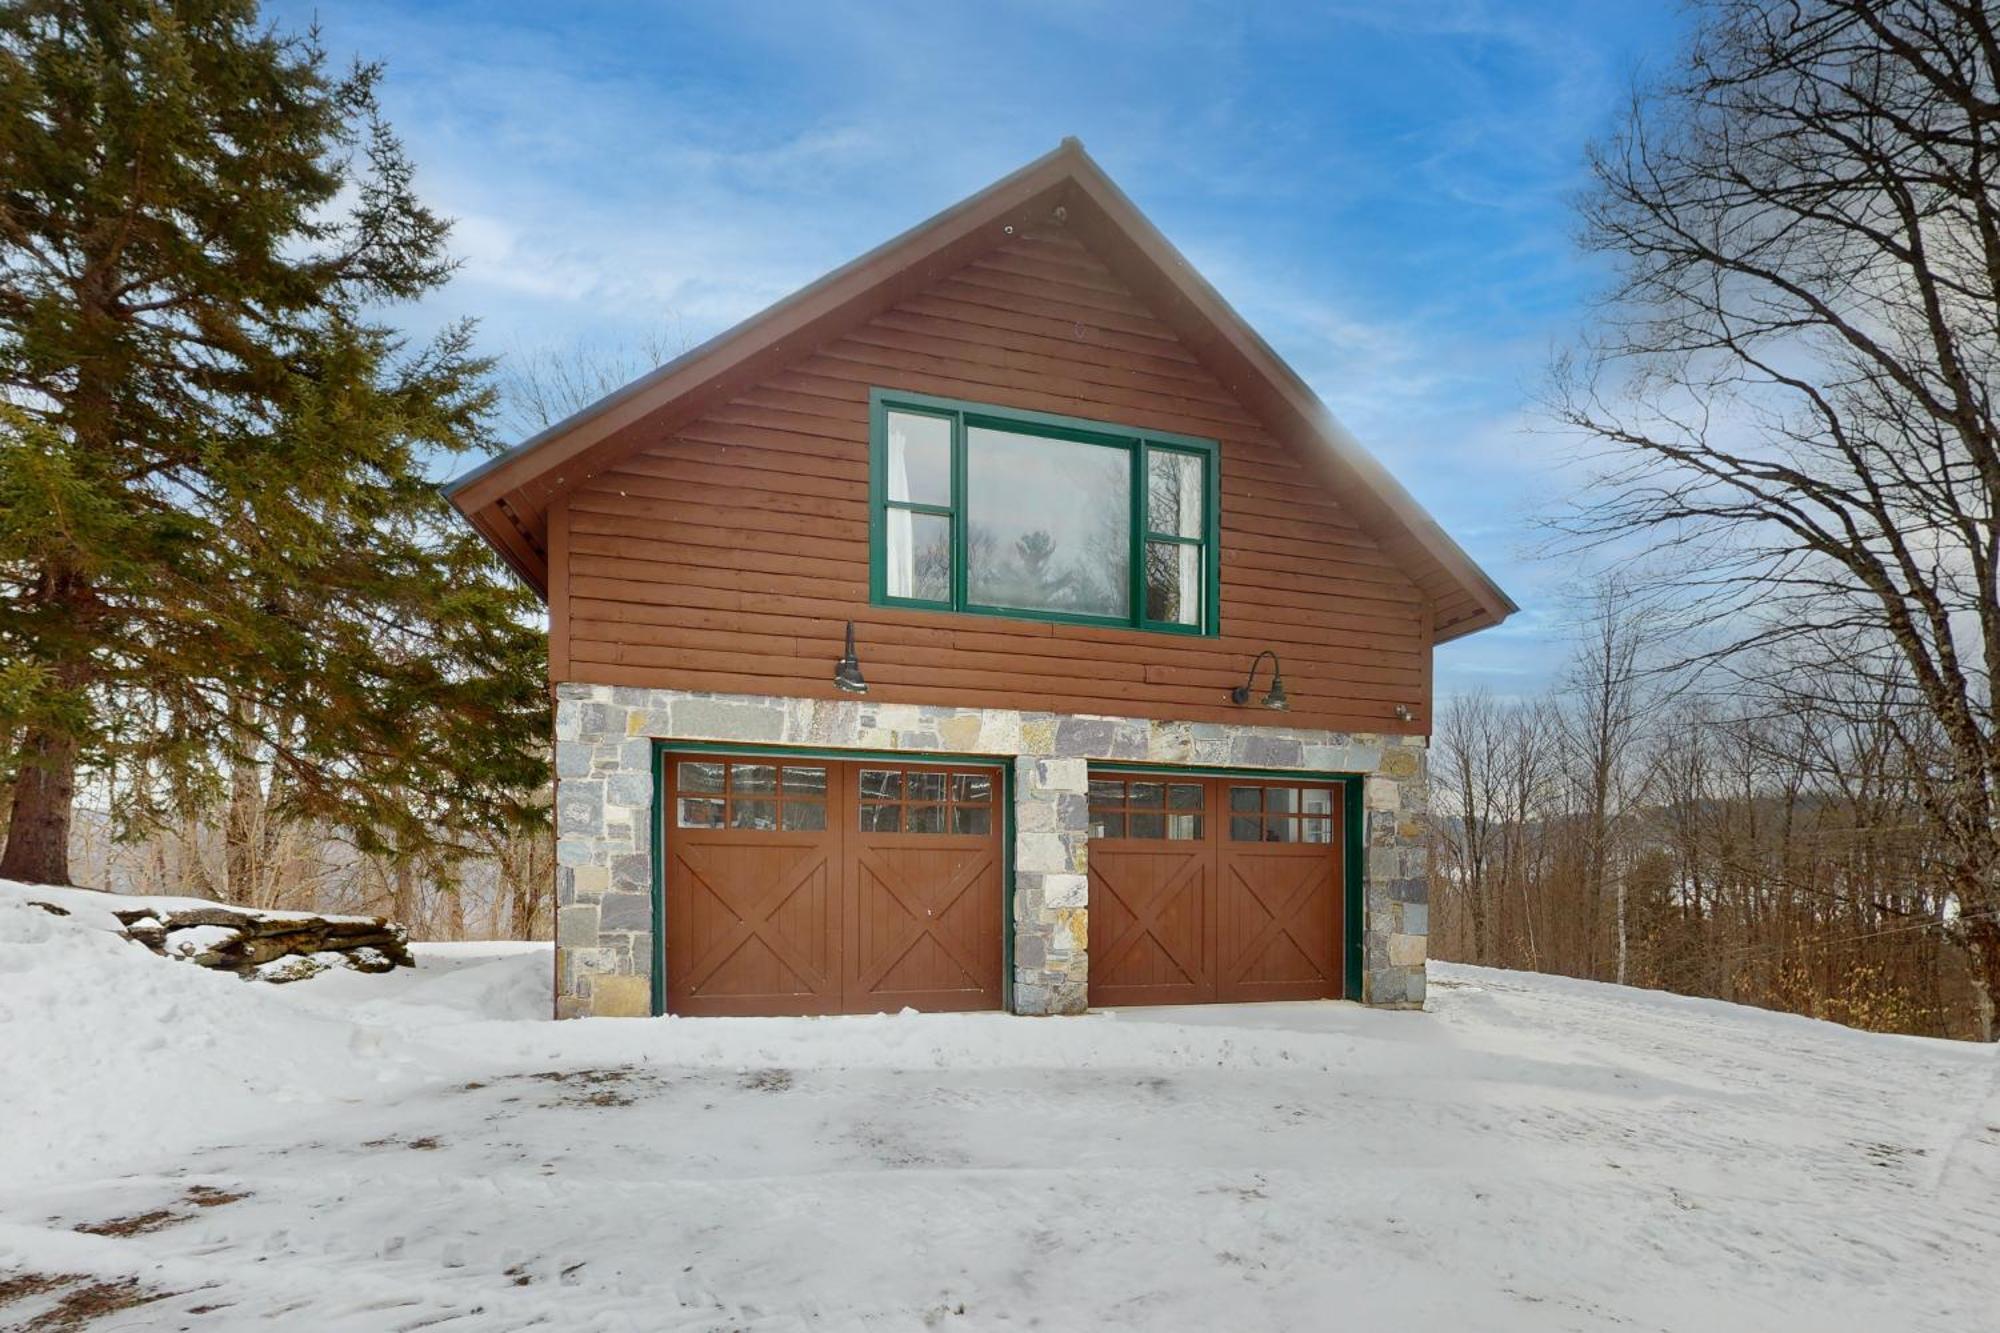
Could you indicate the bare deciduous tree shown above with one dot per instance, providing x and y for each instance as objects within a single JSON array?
[
  {"x": 1599, "y": 730},
  {"x": 1793, "y": 378},
  {"x": 541, "y": 386}
]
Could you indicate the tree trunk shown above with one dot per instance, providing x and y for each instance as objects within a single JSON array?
[
  {"x": 1983, "y": 939},
  {"x": 241, "y": 863},
  {"x": 1623, "y": 938},
  {"x": 522, "y": 873},
  {"x": 403, "y": 910},
  {"x": 1480, "y": 951},
  {"x": 38, "y": 826}
]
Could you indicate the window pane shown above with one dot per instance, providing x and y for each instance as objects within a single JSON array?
[
  {"x": 922, "y": 786},
  {"x": 1107, "y": 826},
  {"x": 1148, "y": 794},
  {"x": 971, "y": 819},
  {"x": 753, "y": 778},
  {"x": 1173, "y": 583},
  {"x": 881, "y": 818},
  {"x": 1184, "y": 828},
  {"x": 972, "y": 788},
  {"x": 1246, "y": 798},
  {"x": 1316, "y": 801},
  {"x": 1107, "y": 791},
  {"x": 805, "y": 816},
  {"x": 753, "y": 814},
  {"x": 1281, "y": 830},
  {"x": 1050, "y": 524},
  {"x": 1184, "y": 796},
  {"x": 1281, "y": 800},
  {"x": 886, "y": 783},
  {"x": 1315, "y": 829},
  {"x": 1246, "y": 828},
  {"x": 805, "y": 781},
  {"x": 926, "y": 819},
  {"x": 917, "y": 553},
  {"x": 919, "y": 458},
  {"x": 701, "y": 777},
  {"x": 1173, "y": 493},
  {"x": 1148, "y": 826},
  {"x": 700, "y": 814}
]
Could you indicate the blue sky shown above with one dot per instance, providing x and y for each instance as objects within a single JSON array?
[{"x": 1381, "y": 188}]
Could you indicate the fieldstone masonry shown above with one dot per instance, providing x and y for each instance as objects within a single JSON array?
[{"x": 605, "y": 949}]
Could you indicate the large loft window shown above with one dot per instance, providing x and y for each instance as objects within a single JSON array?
[{"x": 997, "y": 512}]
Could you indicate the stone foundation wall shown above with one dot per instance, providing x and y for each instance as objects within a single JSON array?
[{"x": 605, "y": 949}]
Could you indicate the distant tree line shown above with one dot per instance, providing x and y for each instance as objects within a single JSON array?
[{"x": 1766, "y": 843}]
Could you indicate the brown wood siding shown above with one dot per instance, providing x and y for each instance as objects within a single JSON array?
[{"x": 730, "y": 555}]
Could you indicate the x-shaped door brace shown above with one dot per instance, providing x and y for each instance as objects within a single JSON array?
[
  {"x": 753, "y": 917},
  {"x": 1145, "y": 923},
  {"x": 1278, "y": 919},
  {"x": 923, "y": 921}
]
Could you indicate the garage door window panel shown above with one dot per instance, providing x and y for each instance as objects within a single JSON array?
[
  {"x": 750, "y": 797},
  {"x": 926, "y": 801},
  {"x": 1146, "y": 809},
  {"x": 1282, "y": 814}
]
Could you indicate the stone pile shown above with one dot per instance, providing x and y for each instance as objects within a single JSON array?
[{"x": 270, "y": 946}]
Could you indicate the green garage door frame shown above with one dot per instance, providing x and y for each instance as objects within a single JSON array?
[
  {"x": 1352, "y": 861},
  {"x": 1001, "y": 764}
]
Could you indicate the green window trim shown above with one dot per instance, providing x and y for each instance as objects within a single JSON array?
[{"x": 1139, "y": 445}]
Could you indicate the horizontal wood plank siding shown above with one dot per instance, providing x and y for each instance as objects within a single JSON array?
[{"x": 731, "y": 554}]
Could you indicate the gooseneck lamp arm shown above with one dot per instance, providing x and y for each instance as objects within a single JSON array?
[{"x": 1275, "y": 697}]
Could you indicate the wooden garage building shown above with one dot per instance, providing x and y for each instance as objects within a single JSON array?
[{"x": 1078, "y": 520}]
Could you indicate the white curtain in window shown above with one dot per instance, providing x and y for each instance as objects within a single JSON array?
[
  {"x": 1191, "y": 525},
  {"x": 1190, "y": 575},
  {"x": 901, "y": 537}
]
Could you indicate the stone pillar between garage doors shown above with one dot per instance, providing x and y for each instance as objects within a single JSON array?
[
  {"x": 1051, "y": 886},
  {"x": 605, "y": 947}
]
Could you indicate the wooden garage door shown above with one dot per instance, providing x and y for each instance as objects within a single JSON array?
[
  {"x": 808, "y": 886},
  {"x": 1214, "y": 889}
]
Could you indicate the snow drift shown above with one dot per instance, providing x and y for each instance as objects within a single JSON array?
[{"x": 368, "y": 1152}]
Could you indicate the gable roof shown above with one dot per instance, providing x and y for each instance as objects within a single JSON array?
[{"x": 507, "y": 498}]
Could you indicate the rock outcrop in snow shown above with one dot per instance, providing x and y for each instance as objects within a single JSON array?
[{"x": 271, "y": 946}]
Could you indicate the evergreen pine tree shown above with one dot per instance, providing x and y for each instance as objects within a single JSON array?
[{"x": 218, "y": 539}]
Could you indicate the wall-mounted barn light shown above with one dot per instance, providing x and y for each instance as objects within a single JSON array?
[
  {"x": 1275, "y": 696},
  {"x": 847, "y": 671}
]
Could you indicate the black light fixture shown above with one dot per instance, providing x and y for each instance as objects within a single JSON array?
[
  {"x": 847, "y": 671},
  {"x": 1274, "y": 698}
]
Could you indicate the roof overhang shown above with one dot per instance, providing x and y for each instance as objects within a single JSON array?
[{"x": 507, "y": 498}]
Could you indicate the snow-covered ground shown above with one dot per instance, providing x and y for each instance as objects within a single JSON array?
[{"x": 423, "y": 1149}]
